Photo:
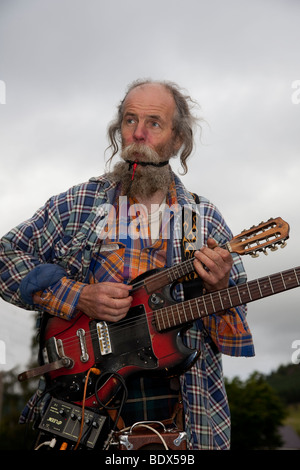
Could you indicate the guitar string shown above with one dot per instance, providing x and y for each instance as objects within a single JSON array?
[
  {"x": 277, "y": 281},
  {"x": 188, "y": 264}
]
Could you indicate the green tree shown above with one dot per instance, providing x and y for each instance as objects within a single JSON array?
[
  {"x": 14, "y": 396},
  {"x": 286, "y": 381},
  {"x": 256, "y": 413},
  {"x": 14, "y": 436}
]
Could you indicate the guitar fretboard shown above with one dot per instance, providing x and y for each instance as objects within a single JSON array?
[
  {"x": 216, "y": 302},
  {"x": 171, "y": 274}
]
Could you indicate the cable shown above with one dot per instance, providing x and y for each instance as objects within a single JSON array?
[
  {"x": 143, "y": 424},
  {"x": 106, "y": 407},
  {"x": 156, "y": 432},
  {"x": 121, "y": 380},
  {"x": 47, "y": 443},
  {"x": 97, "y": 372}
]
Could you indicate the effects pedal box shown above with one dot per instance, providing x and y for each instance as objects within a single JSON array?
[
  {"x": 64, "y": 419},
  {"x": 141, "y": 437}
]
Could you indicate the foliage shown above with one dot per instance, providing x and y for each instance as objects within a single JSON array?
[
  {"x": 286, "y": 381},
  {"x": 293, "y": 417},
  {"x": 256, "y": 414},
  {"x": 14, "y": 436}
]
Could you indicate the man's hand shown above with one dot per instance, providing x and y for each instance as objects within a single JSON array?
[
  {"x": 213, "y": 264},
  {"x": 108, "y": 301}
]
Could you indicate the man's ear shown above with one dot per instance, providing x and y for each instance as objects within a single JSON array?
[{"x": 178, "y": 141}]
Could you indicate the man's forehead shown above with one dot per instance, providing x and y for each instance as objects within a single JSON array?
[{"x": 153, "y": 97}]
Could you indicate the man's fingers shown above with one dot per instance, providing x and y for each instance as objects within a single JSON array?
[{"x": 113, "y": 289}]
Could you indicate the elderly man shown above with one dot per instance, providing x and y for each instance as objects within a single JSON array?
[{"x": 76, "y": 256}]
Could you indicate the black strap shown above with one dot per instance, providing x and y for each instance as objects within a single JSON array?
[{"x": 136, "y": 162}]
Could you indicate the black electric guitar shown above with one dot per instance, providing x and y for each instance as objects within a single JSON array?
[{"x": 149, "y": 338}]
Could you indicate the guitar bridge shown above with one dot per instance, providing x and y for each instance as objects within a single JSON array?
[{"x": 104, "y": 338}]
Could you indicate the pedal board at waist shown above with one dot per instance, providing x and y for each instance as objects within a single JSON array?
[
  {"x": 64, "y": 420},
  {"x": 147, "y": 435}
]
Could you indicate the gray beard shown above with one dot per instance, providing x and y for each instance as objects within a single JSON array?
[{"x": 147, "y": 179}]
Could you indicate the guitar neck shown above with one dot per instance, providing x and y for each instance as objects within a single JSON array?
[
  {"x": 216, "y": 302},
  {"x": 172, "y": 274}
]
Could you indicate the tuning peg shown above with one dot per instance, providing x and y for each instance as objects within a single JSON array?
[
  {"x": 273, "y": 248},
  {"x": 254, "y": 254},
  {"x": 282, "y": 244},
  {"x": 265, "y": 252}
]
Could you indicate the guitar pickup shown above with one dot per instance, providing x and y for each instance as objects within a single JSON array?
[{"x": 104, "y": 338}]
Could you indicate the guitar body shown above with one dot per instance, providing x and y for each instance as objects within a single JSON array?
[{"x": 130, "y": 346}]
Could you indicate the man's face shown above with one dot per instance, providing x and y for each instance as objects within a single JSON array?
[{"x": 148, "y": 120}]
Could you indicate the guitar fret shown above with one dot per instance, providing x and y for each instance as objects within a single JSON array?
[
  {"x": 157, "y": 319},
  {"x": 238, "y": 295},
  {"x": 178, "y": 312},
  {"x": 259, "y": 288},
  {"x": 197, "y": 306},
  {"x": 174, "y": 323},
  {"x": 283, "y": 281},
  {"x": 271, "y": 284},
  {"x": 211, "y": 298},
  {"x": 191, "y": 310},
  {"x": 229, "y": 296},
  {"x": 250, "y": 297},
  {"x": 183, "y": 309},
  {"x": 164, "y": 317},
  {"x": 221, "y": 301},
  {"x": 205, "y": 306}
]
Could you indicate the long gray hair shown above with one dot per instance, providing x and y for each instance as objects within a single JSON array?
[{"x": 183, "y": 123}]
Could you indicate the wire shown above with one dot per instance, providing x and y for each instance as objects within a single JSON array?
[
  {"x": 107, "y": 407},
  {"x": 156, "y": 432},
  {"x": 47, "y": 443},
  {"x": 97, "y": 372}
]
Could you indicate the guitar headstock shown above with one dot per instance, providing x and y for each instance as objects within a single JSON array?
[{"x": 260, "y": 237}]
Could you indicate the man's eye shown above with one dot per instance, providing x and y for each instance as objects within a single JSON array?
[
  {"x": 130, "y": 121},
  {"x": 155, "y": 124}
]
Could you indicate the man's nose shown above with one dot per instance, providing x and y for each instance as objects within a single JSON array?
[{"x": 140, "y": 132}]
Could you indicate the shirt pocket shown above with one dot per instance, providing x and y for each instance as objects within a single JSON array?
[
  {"x": 111, "y": 262},
  {"x": 68, "y": 252}
]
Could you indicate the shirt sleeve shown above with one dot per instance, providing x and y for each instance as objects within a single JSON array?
[
  {"x": 230, "y": 330},
  {"x": 60, "y": 299},
  {"x": 30, "y": 244}
]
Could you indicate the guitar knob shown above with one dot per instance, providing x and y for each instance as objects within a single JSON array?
[{"x": 74, "y": 387}]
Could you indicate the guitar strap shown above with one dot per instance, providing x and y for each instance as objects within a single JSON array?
[{"x": 192, "y": 284}]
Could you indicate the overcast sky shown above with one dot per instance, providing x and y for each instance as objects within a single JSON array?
[{"x": 64, "y": 67}]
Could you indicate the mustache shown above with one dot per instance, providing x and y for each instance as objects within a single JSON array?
[{"x": 139, "y": 152}]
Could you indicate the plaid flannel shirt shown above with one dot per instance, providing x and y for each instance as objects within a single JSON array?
[{"x": 66, "y": 232}]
